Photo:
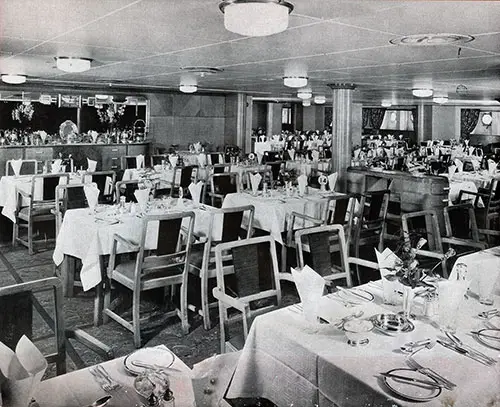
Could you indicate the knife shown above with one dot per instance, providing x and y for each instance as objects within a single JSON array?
[
  {"x": 457, "y": 341},
  {"x": 353, "y": 293},
  {"x": 463, "y": 351},
  {"x": 412, "y": 380}
]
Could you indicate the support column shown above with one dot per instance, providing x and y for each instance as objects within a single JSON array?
[
  {"x": 341, "y": 131},
  {"x": 269, "y": 121}
]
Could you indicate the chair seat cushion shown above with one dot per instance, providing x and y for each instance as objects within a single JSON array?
[
  {"x": 124, "y": 272},
  {"x": 39, "y": 210}
]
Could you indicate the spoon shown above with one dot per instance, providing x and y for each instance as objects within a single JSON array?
[
  {"x": 101, "y": 402},
  {"x": 410, "y": 346}
]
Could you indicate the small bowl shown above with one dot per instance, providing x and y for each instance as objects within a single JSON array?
[{"x": 357, "y": 330}]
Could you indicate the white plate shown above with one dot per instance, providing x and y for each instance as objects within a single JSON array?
[
  {"x": 412, "y": 391},
  {"x": 489, "y": 342},
  {"x": 159, "y": 357}
]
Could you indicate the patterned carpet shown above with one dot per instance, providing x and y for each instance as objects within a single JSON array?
[{"x": 17, "y": 266}]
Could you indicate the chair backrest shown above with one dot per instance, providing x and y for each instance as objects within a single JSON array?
[
  {"x": 127, "y": 189},
  {"x": 129, "y": 161},
  {"x": 100, "y": 179},
  {"x": 172, "y": 247},
  {"x": 16, "y": 318},
  {"x": 255, "y": 266},
  {"x": 337, "y": 209},
  {"x": 460, "y": 222},
  {"x": 321, "y": 243},
  {"x": 374, "y": 205},
  {"x": 276, "y": 167},
  {"x": 271, "y": 156},
  {"x": 422, "y": 224},
  {"x": 157, "y": 159},
  {"x": 49, "y": 183},
  {"x": 220, "y": 168},
  {"x": 225, "y": 183},
  {"x": 215, "y": 158},
  {"x": 28, "y": 167}
]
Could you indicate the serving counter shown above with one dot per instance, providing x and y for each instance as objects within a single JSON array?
[
  {"x": 107, "y": 155},
  {"x": 413, "y": 192}
]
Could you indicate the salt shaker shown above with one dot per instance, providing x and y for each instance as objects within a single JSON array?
[{"x": 431, "y": 304}]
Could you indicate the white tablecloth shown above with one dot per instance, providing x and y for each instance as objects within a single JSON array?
[
  {"x": 9, "y": 185},
  {"x": 82, "y": 237},
  {"x": 457, "y": 186},
  {"x": 79, "y": 388},
  {"x": 290, "y": 361},
  {"x": 272, "y": 213}
]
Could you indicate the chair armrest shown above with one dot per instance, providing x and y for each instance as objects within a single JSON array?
[
  {"x": 428, "y": 253},
  {"x": 289, "y": 235},
  {"x": 24, "y": 194},
  {"x": 463, "y": 242},
  {"x": 231, "y": 301},
  {"x": 362, "y": 262},
  {"x": 133, "y": 247},
  {"x": 489, "y": 232}
]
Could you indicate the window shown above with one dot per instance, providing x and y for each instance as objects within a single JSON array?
[{"x": 286, "y": 115}]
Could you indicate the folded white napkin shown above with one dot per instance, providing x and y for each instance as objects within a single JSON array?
[
  {"x": 387, "y": 259},
  {"x": 108, "y": 186},
  {"x": 197, "y": 147},
  {"x": 357, "y": 152},
  {"x": 332, "y": 180},
  {"x": 56, "y": 166},
  {"x": 255, "y": 181},
  {"x": 291, "y": 153},
  {"x": 91, "y": 165},
  {"x": 43, "y": 135},
  {"x": 16, "y": 166},
  {"x": 310, "y": 286},
  {"x": 173, "y": 160},
  {"x": 315, "y": 155},
  {"x": 23, "y": 371},
  {"x": 142, "y": 196},
  {"x": 492, "y": 166},
  {"x": 195, "y": 190},
  {"x": 476, "y": 163},
  {"x": 94, "y": 134},
  {"x": 202, "y": 159},
  {"x": 92, "y": 195},
  {"x": 302, "y": 184},
  {"x": 451, "y": 170},
  {"x": 459, "y": 164},
  {"x": 259, "y": 157},
  {"x": 139, "y": 161}
]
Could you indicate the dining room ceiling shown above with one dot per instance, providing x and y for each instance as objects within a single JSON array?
[{"x": 147, "y": 44}]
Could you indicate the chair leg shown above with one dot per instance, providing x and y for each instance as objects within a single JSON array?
[
  {"x": 136, "y": 321},
  {"x": 106, "y": 302},
  {"x": 222, "y": 323},
  {"x": 30, "y": 238},
  {"x": 205, "y": 309},
  {"x": 15, "y": 231},
  {"x": 184, "y": 310}
]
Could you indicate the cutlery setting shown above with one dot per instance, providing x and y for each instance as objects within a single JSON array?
[{"x": 103, "y": 378}]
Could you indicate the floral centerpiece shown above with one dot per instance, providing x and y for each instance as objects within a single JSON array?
[
  {"x": 23, "y": 113},
  {"x": 111, "y": 115}
]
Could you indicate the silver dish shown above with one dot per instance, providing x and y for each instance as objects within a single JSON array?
[{"x": 392, "y": 323}]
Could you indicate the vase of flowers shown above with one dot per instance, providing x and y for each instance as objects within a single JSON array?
[{"x": 111, "y": 116}]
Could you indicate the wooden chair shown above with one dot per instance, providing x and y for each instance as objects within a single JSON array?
[
  {"x": 220, "y": 168},
  {"x": 38, "y": 210},
  {"x": 28, "y": 167},
  {"x": 424, "y": 224},
  {"x": 223, "y": 184},
  {"x": 127, "y": 189},
  {"x": 165, "y": 266},
  {"x": 271, "y": 156},
  {"x": 276, "y": 167},
  {"x": 100, "y": 178},
  {"x": 157, "y": 159},
  {"x": 234, "y": 221},
  {"x": 16, "y": 318},
  {"x": 256, "y": 287},
  {"x": 215, "y": 158},
  {"x": 486, "y": 205},
  {"x": 129, "y": 161},
  {"x": 186, "y": 175},
  {"x": 321, "y": 243}
]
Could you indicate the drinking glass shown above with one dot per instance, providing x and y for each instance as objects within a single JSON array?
[
  {"x": 486, "y": 283},
  {"x": 357, "y": 331}
]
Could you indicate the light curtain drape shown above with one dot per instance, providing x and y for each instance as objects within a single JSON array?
[
  {"x": 468, "y": 121},
  {"x": 372, "y": 117},
  {"x": 398, "y": 120}
]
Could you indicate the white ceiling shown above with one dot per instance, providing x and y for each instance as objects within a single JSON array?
[{"x": 144, "y": 43}]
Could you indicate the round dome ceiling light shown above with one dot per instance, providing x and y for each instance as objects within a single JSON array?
[
  {"x": 462, "y": 90},
  {"x": 386, "y": 103},
  {"x": 418, "y": 40},
  {"x": 320, "y": 100},
  {"x": 306, "y": 103},
  {"x": 440, "y": 99},
  {"x": 13, "y": 79},
  {"x": 255, "y": 18},
  {"x": 295, "y": 81},
  {"x": 422, "y": 92},
  {"x": 486, "y": 119},
  {"x": 188, "y": 88},
  {"x": 304, "y": 94},
  {"x": 73, "y": 64}
]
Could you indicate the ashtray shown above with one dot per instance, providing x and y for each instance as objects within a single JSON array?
[{"x": 392, "y": 323}]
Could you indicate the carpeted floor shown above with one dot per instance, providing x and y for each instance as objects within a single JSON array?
[{"x": 17, "y": 266}]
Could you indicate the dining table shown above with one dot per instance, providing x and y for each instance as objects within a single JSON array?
[
  {"x": 96, "y": 230},
  {"x": 80, "y": 388},
  {"x": 290, "y": 360},
  {"x": 11, "y": 184},
  {"x": 273, "y": 209}
]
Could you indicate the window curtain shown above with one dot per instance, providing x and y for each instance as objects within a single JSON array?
[
  {"x": 365, "y": 115},
  {"x": 398, "y": 120},
  {"x": 377, "y": 117},
  {"x": 468, "y": 121}
]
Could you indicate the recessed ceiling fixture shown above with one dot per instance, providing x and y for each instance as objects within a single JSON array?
[
  {"x": 188, "y": 88},
  {"x": 304, "y": 94},
  {"x": 320, "y": 100},
  {"x": 386, "y": 103},
  {"x": 432, "y": 39},
  {"x": 13, "y": 79},
  {"x": 422, "y": 92},
  {"x": 440, "y": 99},
  {"x": 73, "y": 64},
  {"x": 256, "y": 18},
  {"x": 295, "y": 81},
  {"x": 306, "y": 103}
]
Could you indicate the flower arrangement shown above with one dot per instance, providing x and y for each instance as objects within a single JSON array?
[
  {"x": 23, "y": 113},
  {"x": 406, "y": 267},
  {"x": 111, "y": 115}
]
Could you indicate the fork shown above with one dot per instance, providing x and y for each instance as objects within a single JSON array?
[
  {"x": 104, "y": 379},
  {"x": 429, "y": 372}
]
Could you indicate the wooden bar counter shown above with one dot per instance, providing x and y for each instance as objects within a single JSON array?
[{"x": 414, "y": 192}]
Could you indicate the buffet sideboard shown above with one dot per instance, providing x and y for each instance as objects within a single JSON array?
[{"x": 107, "y": 155}]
